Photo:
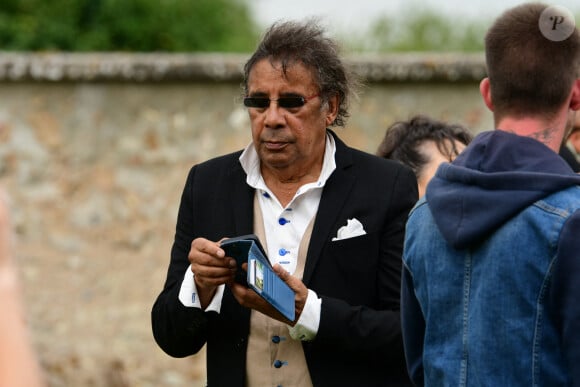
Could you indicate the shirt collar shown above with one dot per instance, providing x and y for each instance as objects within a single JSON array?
[{"x": 250, "y": 162}]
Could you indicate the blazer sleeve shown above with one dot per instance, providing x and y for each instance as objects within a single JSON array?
[{"x": 180, "y": 331}]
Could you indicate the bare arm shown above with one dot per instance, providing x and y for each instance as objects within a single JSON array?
[{"x": 18, "y": 363}]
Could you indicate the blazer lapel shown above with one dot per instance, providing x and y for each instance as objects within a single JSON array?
[
  {"x": 240, "y": 200},
  {"x": 335, "y": 194}
]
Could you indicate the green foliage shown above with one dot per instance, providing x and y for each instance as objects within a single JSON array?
[
  {"x": 422, "y": 31},
  {"x": 127, "y": 25},
  {"x": 206, "y": 25}
]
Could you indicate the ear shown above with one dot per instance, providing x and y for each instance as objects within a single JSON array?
[
  {"x": 575, "y": 96},
  {"x": 485, "y": 91},
  {"x": 332, "y": 110}
]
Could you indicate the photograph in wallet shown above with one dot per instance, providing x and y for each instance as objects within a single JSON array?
[{"x": 260, "y": 276}]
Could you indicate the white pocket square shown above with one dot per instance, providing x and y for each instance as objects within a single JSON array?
[{"x": 352, "y": 229}]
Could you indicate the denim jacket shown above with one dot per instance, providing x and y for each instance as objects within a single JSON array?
[{"x": 491, "y": 266}]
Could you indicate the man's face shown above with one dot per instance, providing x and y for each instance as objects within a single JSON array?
[
  {"x": 431, "y": 152},
  {"x": 288, "y": 138}
]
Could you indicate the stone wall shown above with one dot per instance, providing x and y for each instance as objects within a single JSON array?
[{"x": 94, "y": 151}]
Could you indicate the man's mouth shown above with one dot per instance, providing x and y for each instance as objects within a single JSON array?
[{"x": 275, "y": 145}]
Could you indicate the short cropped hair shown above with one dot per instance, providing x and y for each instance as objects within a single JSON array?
[
  {"x": 403, "y": 139},
  {"x": 304, "y": 42},
  {"x": 529, "y": 74}
]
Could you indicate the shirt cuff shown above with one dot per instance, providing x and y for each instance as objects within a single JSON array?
[
  {"x": 307, "y": 325},
  {"x": 188, "y": 294}
]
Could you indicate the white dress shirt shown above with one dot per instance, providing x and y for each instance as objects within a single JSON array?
[{"x": 284, "y": 228}]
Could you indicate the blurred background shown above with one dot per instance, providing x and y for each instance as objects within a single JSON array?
[
  {"x": 235, "y": 25},
  {"x": 106, "y": 104}
]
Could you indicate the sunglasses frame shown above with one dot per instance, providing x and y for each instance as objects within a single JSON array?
[{"x": 289, "y": 102}]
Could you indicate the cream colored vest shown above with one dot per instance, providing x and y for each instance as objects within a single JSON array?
[{"x": 273, "y": 358}]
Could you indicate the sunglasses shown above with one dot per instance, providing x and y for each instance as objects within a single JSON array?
[{"x": 283, "y": 102}]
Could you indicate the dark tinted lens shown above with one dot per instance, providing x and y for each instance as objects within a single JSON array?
[
  {"x": 256, "y": 102},
  {"x": 284, "y": 102},
  {"x": 291, "y": 102}
]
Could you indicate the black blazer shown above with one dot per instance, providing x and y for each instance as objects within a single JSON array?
[{"x": 359, "y": 340}]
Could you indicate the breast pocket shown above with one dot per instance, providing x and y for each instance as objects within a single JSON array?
[{"x": 355, "y": 262}]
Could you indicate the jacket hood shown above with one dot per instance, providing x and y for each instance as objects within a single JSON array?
[{"x": 492, "y": 180}]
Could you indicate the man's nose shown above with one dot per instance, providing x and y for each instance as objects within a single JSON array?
[{"x": 275, "y": 115}]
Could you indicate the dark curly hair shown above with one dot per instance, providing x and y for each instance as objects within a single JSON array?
[
  {"x": 304, "y": 42},
  {"x": 403, "y": 139}
]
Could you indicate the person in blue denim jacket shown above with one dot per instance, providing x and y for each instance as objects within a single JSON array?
[{"x": 491, "y": 279}]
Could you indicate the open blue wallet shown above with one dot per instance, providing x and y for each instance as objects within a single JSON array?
[{"x": 260, "y": 276}]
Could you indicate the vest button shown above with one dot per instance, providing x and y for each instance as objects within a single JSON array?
[
  {"x": 278, "y": 363},
  {"x": 276, "y": 339}
]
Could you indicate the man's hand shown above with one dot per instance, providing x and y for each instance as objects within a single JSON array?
[
  {"x": 210, "y": 268},
  {"x": 250, "y": 299}
]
